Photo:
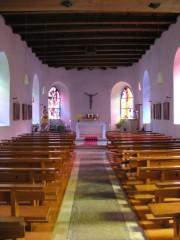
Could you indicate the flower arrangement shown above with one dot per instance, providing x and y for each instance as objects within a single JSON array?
[
  {"x": 122, "y": 123},
  {"x": 35, "y": 127},
  {"x": 118, "y": 125}
]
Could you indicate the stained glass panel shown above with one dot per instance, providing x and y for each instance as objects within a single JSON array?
[
  {"x": 54, "y": 103},
  {"x": 127, "y": 104}
]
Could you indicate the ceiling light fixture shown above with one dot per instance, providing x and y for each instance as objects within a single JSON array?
[
  {"x": 154, "y": 5},
  {"x": 67, "y": 3}
]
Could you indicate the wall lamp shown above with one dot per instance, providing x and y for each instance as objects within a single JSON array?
[
  {"x": 168, "y": 97},
  {"x": 154, "y": 5},
  {"x": 67, "y": 3}
]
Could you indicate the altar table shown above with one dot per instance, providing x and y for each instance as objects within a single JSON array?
[{"x": 91, "y": 124}]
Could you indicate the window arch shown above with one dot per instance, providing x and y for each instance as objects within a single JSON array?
[
  {"x": 4, "y": 90},
  {"x": 54, "y": 103},
  {"x": 146, "y": 97},
  {"x": 127, "y": 103},
  {"x": 176, "y": 86}
]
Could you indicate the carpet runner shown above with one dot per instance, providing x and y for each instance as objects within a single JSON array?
[
  {"x": 96, "y": 212},
  {"x": 90, "y": 141}
]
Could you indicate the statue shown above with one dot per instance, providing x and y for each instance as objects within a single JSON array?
[
  {"x": 90, "y": 99},
  {"x": 44, "y": 119}
]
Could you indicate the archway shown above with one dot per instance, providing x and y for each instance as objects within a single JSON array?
[
  {"x": 176, "y": 87},
  {"x": 146, "y": 98},
  {"x": 35, "y": 102},
  {"x": 115, "y": 103},
  {"x": 4, "y": 90}
]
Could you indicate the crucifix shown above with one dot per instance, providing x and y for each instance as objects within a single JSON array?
[{"x": 90, "y": 99}]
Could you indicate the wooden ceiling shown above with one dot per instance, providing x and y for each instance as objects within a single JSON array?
[{"x": 89, "y": 33}]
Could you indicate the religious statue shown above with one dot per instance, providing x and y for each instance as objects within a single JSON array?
[
  {"x": 90, "y": 99},
  {"x": 44, "y": 119}
]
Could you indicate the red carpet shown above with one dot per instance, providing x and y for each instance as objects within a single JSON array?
[{"x": 90, "y": 141}]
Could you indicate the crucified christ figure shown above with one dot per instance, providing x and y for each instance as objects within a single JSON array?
[{"x": 90, "y": 98}]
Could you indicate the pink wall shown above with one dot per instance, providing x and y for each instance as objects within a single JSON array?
[
  {"x": 74, "y": 83},
  {"x": 166, "y": 47}
]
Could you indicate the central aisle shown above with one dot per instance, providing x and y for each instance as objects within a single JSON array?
[{"x": 94, "y": 206}]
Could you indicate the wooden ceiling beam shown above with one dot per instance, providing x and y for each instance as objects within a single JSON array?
[
  {"x": 73, "y": 19},
  {"x": 83, "y": 29},
  {"x": 93, "y": 42}
]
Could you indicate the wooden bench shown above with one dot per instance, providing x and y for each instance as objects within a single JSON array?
[
  {"x": 171, "y": 210},
  {"x": 16, "y": 193},
  {"x": 127, "y": 154},
  {"x": 33, "y": 175},
  {"x": 147, "y": 191},
  {"x": 35, "y": 153},
  {"x": 170, "y": 184},
  {"x": 12, "y": 228},
  {"x": 159, "y": 173},
  {"x": 162, "y": 194},
  {"x": 30, "y": 175}
]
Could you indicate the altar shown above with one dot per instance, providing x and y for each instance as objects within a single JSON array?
[{"x": 94, "y": 127}]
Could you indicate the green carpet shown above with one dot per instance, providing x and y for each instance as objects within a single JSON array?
[{"x": 96, "y": 212}]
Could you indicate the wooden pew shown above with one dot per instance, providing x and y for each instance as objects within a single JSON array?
[
  {"x": 33, "y": 175},
  {"x": 171, "y": 210},
  {"x": 165, "y": 195},
  {"x": 15, "y": 161},
  {"x": 16, "y": 193},
  {"x": 35, "y": 153},
  {"x": 12, "y": 228},
  {"x": 127, "y": 154},
  {"x": 170, "y": 184},
  {"x": 159, "y": 173},
  {"x": 152, "y": 158},
  {"x": 150, "y": 175},
  {"x": 162, "y": 194}
]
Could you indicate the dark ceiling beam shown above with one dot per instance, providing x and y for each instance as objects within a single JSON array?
[
  {"x": 94, "y": 65},
  {"x": 94, "y": 42},
  {"x": 81, "y": 54},
  {"x": 88, "y": 28},
  {"x": 74, "y": 19},
  {"x": 93, "y": 38},
  {"x": 91, "y": 57},
  {"x": 100, "y": 49},
  {"x": 89, "y": 36}
]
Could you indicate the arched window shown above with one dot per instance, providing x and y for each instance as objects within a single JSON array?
[
  {"x": 127, "y": 103},
  {"x": 4, "y": 90},
  {"x": 176, "y": 87},
  {"x": 54, "y": 104}
]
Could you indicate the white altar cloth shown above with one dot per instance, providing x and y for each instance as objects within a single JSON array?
[{"x": 90, "y": 124}]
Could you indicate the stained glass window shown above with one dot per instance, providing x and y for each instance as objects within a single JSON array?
[
  {"x": 127, "y": 103},
  {"x": 54, "y": 104}
]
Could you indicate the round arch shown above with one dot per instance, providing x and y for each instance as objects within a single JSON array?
[
  {"x": 4, "y": 90},
  {"x": 176, "y": 86},
  {"x": 35, "y": 98},
  {"x": 146, "y": 97},
  {"x": 65, "y": 100},
  {"x": 115, "y": 103}
]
